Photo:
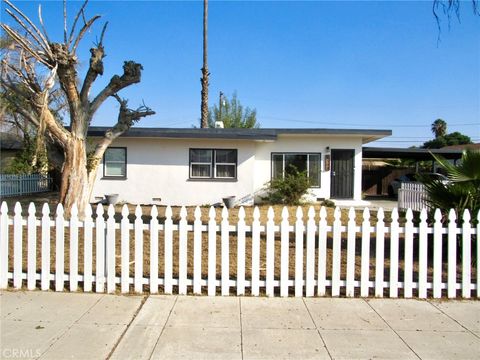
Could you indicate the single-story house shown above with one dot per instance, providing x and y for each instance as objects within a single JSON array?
[{"x": 202, "y": 166}]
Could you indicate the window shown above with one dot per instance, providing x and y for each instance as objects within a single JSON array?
[
  {"x": 287, "y": 163},
  {"x": 213, "y": 163},
  {"x": 115, "y": 163}
]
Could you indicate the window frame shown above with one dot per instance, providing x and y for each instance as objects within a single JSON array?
[
  {"x": 114, "y": 177},
  {"x": 213, "y": 165},
  {"x": 308, "y": 164}
]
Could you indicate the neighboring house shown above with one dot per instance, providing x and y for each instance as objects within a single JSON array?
[
  {"x": 463, "y": 147},
  {"x": 202, "y": 166},
  {"x": 10, "y": 146}
]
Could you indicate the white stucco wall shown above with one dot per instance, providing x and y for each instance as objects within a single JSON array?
[
  {"x": 159, "y": 168},
  {"x": 312, "y": 144}
]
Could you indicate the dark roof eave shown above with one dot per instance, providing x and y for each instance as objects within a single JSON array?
[{"x": 242, "y": 134}]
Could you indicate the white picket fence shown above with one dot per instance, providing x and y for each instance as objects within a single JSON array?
[
  {"x": 412, "y": 195},
  {"x": 13, "y": 185},
  {"x": 305, "y": 241}
]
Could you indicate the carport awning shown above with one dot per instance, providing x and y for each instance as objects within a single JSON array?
[{"x": 414, "y": 154}]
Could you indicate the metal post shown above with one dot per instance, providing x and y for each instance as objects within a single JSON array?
[{"x": 220, "y": 106}]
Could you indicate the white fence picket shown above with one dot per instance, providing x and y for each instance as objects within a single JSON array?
[
  {"x": 466, "y": 255},
  {"x": 138, "y": 269},
  {"x": 154, "y": 250},
  {"x": 59, "y": 249},
  {"x": 182, "y": 252},
  {"x": 212, "y": 253},
  {"x": 197, "y": 251},
  {"x": 110, "y": 250},
  {"x": 284, "y": 253},
  {"x": 437, "y": 252},
  {"x": 45, "y": 276},
  {"x": 17, "y": 246},
  {"x": 336, "y": 252},
  {"x": 4, "y": 245},
  {"x": 74, "y": 248},
  {"x": 394, "y": 248},
  {"x": 408, "y": 256},
  {"x": 452, "y": 255},
  {"x": 125, "y": 251},
  {"x": 379, "y": 253},
  {"x": 225, "y": 242},
  {"x": 310, "y": 258},
  {"x": 365, "y": 260},
  {"x": 299, "y": 229},
  {"x": 422, "y": 255},
  {"x": 351, "y": 234},
  {"x": 270, "y": 253},
  {"x": 322, "y": 252},
  {"x": 168, "y": 249},
  {"x": 256, "y": 252},
  {"x": 32, "y": 247},
  {"x": 241, "y": 229},
  {"x": 100, "y": 254},
  {"x": 88, "y": 249}
]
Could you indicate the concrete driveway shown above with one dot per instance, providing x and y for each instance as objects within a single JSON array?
[{"x": 48, "y": 325}]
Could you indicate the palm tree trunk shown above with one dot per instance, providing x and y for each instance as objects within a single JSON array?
[{"x": 205, "y": 73}]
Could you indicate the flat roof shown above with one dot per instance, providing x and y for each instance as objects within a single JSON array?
[
  {"x": 242, "y": 134},
  {"x": 413, "y": 153}
]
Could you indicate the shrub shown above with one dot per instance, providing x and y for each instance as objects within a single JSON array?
[
  {"x": 462, "y": 191},
  {"x": 288, "y": 190}
]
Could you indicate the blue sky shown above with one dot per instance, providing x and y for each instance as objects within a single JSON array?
[{"x": 319, "y": 64}]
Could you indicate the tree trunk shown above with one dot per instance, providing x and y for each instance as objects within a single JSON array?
[
  {"x": 205, "y": 73},
  {"x": 75, "y": 187}
]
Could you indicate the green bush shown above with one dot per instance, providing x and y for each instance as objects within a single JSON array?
[
  {"x": 288, "y": 190},
  {"x": 21, "y": 164},
  {"x": 462, "y": 191}
]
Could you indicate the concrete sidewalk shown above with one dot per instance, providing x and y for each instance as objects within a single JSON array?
[{"x": 49, "y": 325}]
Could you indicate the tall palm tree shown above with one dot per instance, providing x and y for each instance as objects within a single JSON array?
[
  {"x": 439, "y": 128},
  {"x": 205, "y": 73}
]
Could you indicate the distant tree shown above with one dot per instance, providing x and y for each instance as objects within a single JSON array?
[
  {"x": 233, "y": 115},
  {"x": 439, "y": 128},
  {"x": 454, "y": 138}
]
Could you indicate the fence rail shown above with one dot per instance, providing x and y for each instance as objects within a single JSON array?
[
  {"x": 412, "y": 195},
  {"x": 309, "y": 257},
  {"x": 12, "y": 185}
]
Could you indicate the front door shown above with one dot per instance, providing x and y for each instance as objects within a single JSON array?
[{"x": 342, "y": 174}]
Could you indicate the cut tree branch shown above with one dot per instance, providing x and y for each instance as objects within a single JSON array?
[
  {"x": 95, "y": 69},
  {"x": 72, "y": 31},
  {"x": 132, "y": 73},
  {"x": 44, "y": 43},
  {"x": 126, "y": 118},
  {"x": 82, "y": 32}
]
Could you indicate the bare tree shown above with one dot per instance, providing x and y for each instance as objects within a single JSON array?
[
  {"x": 44, "y": 67},
  {"x": 205, "y": 73}
]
